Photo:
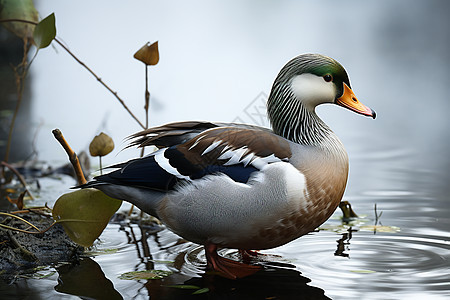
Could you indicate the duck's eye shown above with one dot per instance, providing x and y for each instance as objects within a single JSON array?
[{"x": 328, "y": 78}]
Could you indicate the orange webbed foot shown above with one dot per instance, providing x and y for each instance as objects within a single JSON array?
[{"x": 226, "y": 267}]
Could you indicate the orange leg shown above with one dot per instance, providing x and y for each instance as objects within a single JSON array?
[
  {"x": 226, "y": 267},
  {"x": 247, "y": 255}
]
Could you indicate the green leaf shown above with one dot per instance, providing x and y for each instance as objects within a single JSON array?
[
  {"x": 45, "y": 32},
  {"x": 98, "y": 252},
  {"x": 183, "y": 286},
  {"x": 19, "y": 9},
  {"x": 201, "y": 291},
  {"x": 145, "y": 275},
  {"x": 84, "y": 214}
]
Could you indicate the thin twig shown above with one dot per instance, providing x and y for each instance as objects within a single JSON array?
[
  {"x": 19, "y": 176},
  {"x": 147, "y": 97},
  {"x": 19, "y": 218},
  {"x": 86, "y": 67},
  {"x": 37, "y": 210},
  {"x": 26, "y": 253},
  {"x": 100, "y": 162},
  {"x": 147, "y": 103},
  {"x": 102, "y": 82},
  {"x": 9, "y": 228},
  {"x": 377, "y": 216}
]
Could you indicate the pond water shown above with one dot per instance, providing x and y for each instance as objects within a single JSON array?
[
  {"x": 397, "y": 56},
  {"x": 405, "y": 257}
]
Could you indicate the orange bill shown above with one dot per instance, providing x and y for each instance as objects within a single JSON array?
[{"x": 349, "y": 100}]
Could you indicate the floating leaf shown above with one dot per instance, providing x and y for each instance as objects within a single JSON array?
[
  {"x": 380, "y": 228},
  {"x": 19, "y": 9},
  {"x": 363, "y": 271},
  {"x": 148, "y": 54},
  {"x": 101, "y": 145},
  {"x": 84, "y": 214},
  {"x": 145, "y": 275},
  {"x": 201, "y": 291},
  {"x": 162, "y": 261},
  {"x": 97, "y": 252},
  {"x": 183, "y": 286},
  {"x": 45, "y": 32}
]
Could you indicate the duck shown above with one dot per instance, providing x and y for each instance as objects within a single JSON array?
[{"x": 242, "y": 186}]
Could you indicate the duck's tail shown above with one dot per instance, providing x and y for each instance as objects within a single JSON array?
[{"x": 145, "y": 199}]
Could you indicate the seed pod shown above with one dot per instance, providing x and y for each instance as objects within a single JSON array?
[{"x": 101, "y": 145}]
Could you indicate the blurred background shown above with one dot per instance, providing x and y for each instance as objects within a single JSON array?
[{"x": 217, "y": 57}]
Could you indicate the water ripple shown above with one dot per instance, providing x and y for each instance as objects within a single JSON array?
[
  {"x": 406, "y": 264},
  {"x": 348, "y": 264}
]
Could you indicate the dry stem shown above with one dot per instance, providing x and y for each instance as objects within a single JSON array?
[
  {"x": 72, "y": 156},
  {"x": 20, "y": 177}
]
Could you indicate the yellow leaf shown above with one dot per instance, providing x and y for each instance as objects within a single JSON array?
[
  {"x": 380, "y": 228},
  {"x": 84, "y": 214}
]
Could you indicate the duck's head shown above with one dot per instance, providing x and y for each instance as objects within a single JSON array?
[
  {"x": 315, "y": 79},
  {"x": 305, "y": 82}
]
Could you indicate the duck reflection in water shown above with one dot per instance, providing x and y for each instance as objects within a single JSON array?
[{"x": 276, "y": 279}]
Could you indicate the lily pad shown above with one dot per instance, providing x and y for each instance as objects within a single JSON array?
[
  {"x": 84, "y": 214},
  {"x": 363, "y": 271},
  {"x": 162, "y": 261},
  {"x": 145, "y": 275},
  {"x": 380, "y": 228},
  {"x": 201, "y": 291},
  {"x": 98, "y": 252}
]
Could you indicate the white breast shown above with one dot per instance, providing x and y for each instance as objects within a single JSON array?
[{"x": 219, "y": 210}]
